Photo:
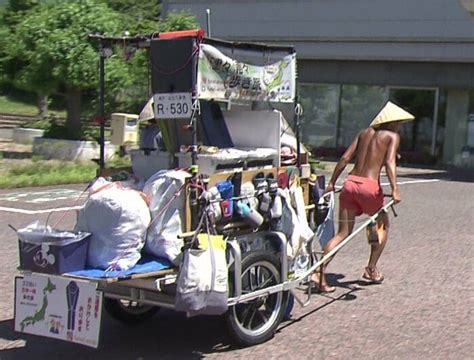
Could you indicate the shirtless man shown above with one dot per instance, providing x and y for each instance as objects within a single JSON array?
[{"x": 373, "y": 148}]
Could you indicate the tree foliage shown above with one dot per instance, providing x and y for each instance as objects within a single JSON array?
[
  {"x": 15, "y": 10},
  {"x": 45, "y": 49},
  {"x": 13, "y": 13},
  {"x": 178, "y": 20},
  {"x": 52, "y": 46},
  {"x": 139, "y": 17}
]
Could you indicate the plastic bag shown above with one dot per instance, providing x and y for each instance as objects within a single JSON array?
[
  {"x": 202, "y": 281},
  {"x": 37, "y": 233},
  {"x": 325, "y": 230},
  {"x": 167, "y": 205},
  {"x": 118, "y": 219}
]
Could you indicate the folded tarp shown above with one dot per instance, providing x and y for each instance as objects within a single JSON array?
[{"x": 146, "y": 264}]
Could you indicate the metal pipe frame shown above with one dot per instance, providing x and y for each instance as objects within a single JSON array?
[
  {"x": 140, "y": 295},
  {"x": 237, "y": 254},
  {"x": 141, "y": 300},
  {"x": 288, "y": 285}
]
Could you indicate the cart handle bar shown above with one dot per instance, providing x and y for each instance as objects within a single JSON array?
[{"x": 293, "y": 283}]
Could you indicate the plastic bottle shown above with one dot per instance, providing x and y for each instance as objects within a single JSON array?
[
  {"x": 265, "y": 201},
  {"x": 249, "y": 215},
  {"x": 372, "y": 235},
  {"x": 277, "y": 208}
]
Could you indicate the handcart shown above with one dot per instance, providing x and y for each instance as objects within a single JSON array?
[{"x": 262, "y": 278}]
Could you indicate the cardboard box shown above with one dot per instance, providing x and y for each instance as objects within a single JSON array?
[{"x": 147, "y": 163}]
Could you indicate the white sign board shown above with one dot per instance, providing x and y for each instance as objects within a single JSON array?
[
  {"x": 172, "y": 105},
  {"x": 222, "y": 78},
  {"x": 58, "y": 307}
]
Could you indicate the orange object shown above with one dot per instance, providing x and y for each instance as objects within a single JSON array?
[
  {"x": 361, "y": 194},
  {"x": 199, "y": 33}
]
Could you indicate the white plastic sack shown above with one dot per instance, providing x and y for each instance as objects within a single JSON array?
[
  {"x": 289, "y": 225},
  {"x": 167, "y": 205},
  {"x": 297, "y": 201},
  {"x": 118, "y": 219},
  {"x": 326, "y": 231},
  {"x": 202, "y": 281}
]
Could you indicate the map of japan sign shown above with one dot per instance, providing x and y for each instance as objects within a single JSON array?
[
  {"x": 58, "y": 307},
  {"x": 222, "y": 78}
]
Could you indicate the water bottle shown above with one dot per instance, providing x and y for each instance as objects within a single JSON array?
[{"x": 372, "y": 235}]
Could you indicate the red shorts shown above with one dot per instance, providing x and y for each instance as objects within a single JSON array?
[{"x": 361, "y": 194}]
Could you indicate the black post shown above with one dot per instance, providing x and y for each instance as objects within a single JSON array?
[
  {"x": 194, "y": 192},
  {"x": 102, "y": 104},
  {"x": 297, "y": 110}
]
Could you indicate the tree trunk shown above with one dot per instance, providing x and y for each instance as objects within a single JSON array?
[
  {"x": 43, "y": 105},
  {"x": 73, "y": 121}
]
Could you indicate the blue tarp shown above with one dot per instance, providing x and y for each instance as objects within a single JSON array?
[{"x": 145, "y": 265}]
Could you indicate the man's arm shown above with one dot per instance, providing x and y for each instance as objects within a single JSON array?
[
  {"x": 342, "y": 163},
  {"x": 391, "y": 165}
]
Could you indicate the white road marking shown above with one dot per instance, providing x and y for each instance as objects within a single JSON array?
[
  {"x": 413, "y": 182},
  {"x": 32, "y": 212},
  {"x": 42, "y": 196},
  {"x": 399, "y": 182}
]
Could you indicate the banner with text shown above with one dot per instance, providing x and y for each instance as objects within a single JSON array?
[
  {"x": 58, "y": 307},
  {"x": 222, "y": 78}
]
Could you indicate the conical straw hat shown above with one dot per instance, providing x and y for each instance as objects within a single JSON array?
[
  {"x": 147, "y": 112},
  {"x": 391, "y": 113}
]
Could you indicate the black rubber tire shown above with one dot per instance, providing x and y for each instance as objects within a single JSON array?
[
  {"x": 267, "y": 266},
  {"x": 133, "y": 313}
]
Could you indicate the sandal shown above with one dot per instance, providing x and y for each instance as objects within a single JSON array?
[
  {"x": 373, "y": 275},
  {"x": 316, "y": 288}
]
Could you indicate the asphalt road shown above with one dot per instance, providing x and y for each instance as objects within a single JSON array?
[{"x": 423, "y": 310}]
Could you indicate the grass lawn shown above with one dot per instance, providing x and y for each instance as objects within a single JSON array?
[
  {"x": 8, "y": 105},
  {"x": 12, "y": 106},
  {"x": 26, "y": 173},
  {"x": 35, "y": 171}
]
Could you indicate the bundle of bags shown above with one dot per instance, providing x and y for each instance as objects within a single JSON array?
[{"x": 125, "y": 221}]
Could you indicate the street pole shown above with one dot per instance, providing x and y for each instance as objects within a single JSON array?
[
  {"x": 208, "y": 21},
  {"x": 102, "y": 105}
]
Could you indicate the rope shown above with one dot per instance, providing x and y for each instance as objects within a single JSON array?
[
  {"x": 64, "y": 214},
  {"x": 167, "y": 205},
  {"x": 298, "y": 110}
]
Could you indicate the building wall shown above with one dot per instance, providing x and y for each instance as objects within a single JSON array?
[
  {"x": 351, "y": 52},
  {"x": 405, "y": 30},
  {"x": 456, "y": 126},
  {"x": 390, "y": 73}
]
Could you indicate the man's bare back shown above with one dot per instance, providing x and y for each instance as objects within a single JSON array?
[{"x": 371, "y": 151}]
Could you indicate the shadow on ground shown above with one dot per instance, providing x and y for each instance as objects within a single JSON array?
[
  {"x": 168, "y": 335},
  {"x": 460, "y": 175}
]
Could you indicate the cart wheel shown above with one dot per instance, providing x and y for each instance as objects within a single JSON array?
[
  {"x": 255, "y": 321},
  {"x": 129, "y": 312}
]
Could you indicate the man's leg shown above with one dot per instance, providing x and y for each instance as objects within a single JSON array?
[
  {"x": 346, "y": 225},
  {"x": 376, "y": 249}
]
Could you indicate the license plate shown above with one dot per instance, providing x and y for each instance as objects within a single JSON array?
[
  {"x": 172, "y": 105},
  {"x": 58, "y": 307}
]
